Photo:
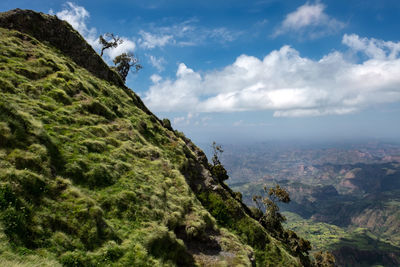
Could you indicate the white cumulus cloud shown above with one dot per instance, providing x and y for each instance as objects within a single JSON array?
[
  {"x": 287, "y": 83},
  {"x": 309, "y": 20}
]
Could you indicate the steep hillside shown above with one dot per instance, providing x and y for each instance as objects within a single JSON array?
[{"x": 89, "y": 176}]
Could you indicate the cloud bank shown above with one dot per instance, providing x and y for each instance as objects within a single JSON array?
[{"x": 286, "y": 83}]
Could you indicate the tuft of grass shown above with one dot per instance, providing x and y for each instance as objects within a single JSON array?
[
  {"x": 95, "y": 146},
  {"x": 98, "y": 108},
  {"x": 6, "y": 86},
  {"x": 60, "y": 96}
]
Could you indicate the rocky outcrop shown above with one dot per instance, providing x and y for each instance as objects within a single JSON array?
[{"x": 61, "y": 35}]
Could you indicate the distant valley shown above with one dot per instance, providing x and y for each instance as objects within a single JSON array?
[{"x": 345, "y": 197}]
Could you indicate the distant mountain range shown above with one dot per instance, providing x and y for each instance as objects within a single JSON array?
[{"x": 345, "y": 198}]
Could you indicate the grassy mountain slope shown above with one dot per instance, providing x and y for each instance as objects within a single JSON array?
[{"x": 89, "y": 176}]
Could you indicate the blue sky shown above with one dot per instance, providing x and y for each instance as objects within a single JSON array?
[{"x": 236, "y": 71}]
